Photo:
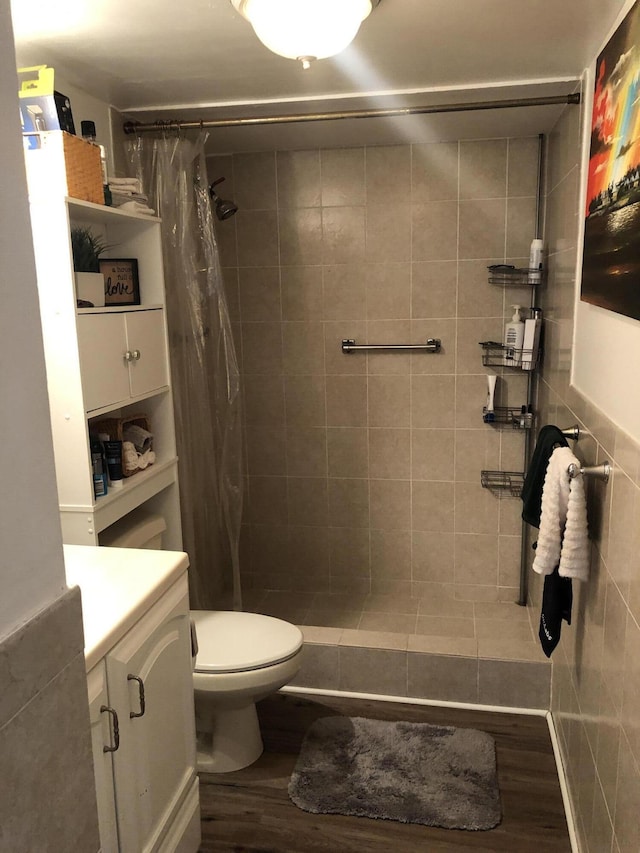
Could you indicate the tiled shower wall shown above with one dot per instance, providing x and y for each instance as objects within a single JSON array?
[
  {"x": 363, "y": 471},
  {"x": 596, "y": 667}
]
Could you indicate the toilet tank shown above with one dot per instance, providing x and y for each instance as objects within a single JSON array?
[{"x": 139, "y": 529}]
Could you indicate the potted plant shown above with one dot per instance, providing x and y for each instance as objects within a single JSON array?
[{"x": 87, "y": 248}]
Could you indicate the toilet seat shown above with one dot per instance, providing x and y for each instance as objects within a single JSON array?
[{"x": 230, "y": 641}]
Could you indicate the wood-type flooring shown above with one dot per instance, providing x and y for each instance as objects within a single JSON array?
[{"x": 249, "y": 810}]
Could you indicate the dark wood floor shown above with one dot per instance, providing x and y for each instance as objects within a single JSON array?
[{"x": 250, "y": 810}]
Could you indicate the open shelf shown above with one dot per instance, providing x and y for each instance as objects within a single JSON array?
[
  {"x": 499, "y": 355},
  {"x": 514, "y": 417},
  {"x": 504, "y": 275},
  {"x": 508, "y": 483}
]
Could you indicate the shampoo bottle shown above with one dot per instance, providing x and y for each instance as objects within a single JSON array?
[
  {"x": 535, "y": 262},
  {"x": 531, "y": 340},
  {"x": 513, "y": 337}
]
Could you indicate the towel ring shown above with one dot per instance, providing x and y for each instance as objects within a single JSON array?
[{"x": 600, "y": 472}]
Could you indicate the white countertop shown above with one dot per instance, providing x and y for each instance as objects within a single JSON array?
[{"x": 117, "y": 585}]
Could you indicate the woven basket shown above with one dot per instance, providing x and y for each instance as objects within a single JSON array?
[
  {"x": 83, "y": 168},
  {"x": 114, "y": 427}
]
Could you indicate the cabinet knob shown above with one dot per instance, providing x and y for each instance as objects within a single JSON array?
[
  {"x": 128, "y": 356},
  {"x": 136, "y": 354},
  {"x": 137, "y": 678},
  {"x": 115, "y": 727}
]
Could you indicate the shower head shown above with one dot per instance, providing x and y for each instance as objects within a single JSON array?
[{"x": 224, "y": 209}]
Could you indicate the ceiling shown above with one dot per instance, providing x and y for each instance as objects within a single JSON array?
[{"x": 164, "y": 59}]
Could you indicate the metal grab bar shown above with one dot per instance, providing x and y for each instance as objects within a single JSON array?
[
  {"x": 432, "y": 345},
  {"x": 600, "y": 472}
]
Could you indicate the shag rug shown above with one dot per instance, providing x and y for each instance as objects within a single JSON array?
[{"x": 409, "y": 772}]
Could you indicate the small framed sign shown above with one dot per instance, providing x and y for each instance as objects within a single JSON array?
[{"x": 121, "y": 284}]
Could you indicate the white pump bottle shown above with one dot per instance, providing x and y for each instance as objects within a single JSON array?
[{"x": 513, "y": 338}]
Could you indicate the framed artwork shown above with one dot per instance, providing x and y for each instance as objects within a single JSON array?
[
  {"x": 121, "y": 284},
  {"x": 611, "y": 262}
]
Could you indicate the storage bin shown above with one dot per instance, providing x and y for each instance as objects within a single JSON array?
[
  {"x": 66, "y": 165},
  {"x": 114, "y": 427}
]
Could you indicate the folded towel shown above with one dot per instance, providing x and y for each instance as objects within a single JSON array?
[
  {"x": 136, "y": 207},
  {"x": 548, "y": 438},
  {"x": 133, "y": 184},
  {"x": 563, "y": 540}
]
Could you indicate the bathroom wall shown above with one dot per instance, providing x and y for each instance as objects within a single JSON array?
[
  {"x": 363, "y": 472},
  {"x": 596, "y": 668},
  {"x": 47, "y": 795}
]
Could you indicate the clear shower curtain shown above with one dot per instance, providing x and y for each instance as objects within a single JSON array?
[{"x": 204, "y": 367}]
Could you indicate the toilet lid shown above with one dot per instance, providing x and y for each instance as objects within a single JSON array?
[{"x": 229, "y": 641}]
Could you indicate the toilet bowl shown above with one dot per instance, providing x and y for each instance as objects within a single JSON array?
[{"x": 240, "y": 658}]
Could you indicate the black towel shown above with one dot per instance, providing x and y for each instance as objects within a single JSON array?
[
  {"x": 548, "y": 438},
  {"x": 557, "y": 599}
]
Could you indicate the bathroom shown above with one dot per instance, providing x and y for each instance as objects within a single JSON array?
[{"x": 365, "y": 420}]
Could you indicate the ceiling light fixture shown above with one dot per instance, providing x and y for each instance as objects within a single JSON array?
[{"x": 305, "y": 29}]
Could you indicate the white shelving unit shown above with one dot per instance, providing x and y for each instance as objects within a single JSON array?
[{"x": 87, "y": 374}]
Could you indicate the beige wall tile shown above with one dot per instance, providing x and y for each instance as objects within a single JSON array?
[
  {"x": 476, "y": 509},
  {"x": 259, "y": 289},
  {"x": 388, "y": 401},
  {"x": 298, "y": 178},
  {"x": 344, "y": 292},
  {"x": 476, "y": 559},
  {"x": 343, "y": 235},
  {"x": 388, "y": 290},
  {"x": 302, "y": 297},
  {"x": 320, "y": 667},
  {"x": 373, "y": 671},
  {"x": 522, "y": 175},
  {"x": 432, "y": 401},
  {"x": 262, "y": 348},
  {"x": 470, "y": 333},
  {"x": 445, "y": 626},
  {"x": 348, "y": 452},
  {"x": 432, "y": 454},
  {"x": 254, "y": 181},
  {"x": 434, "y": 172},
  {"x": 306, "y": 452},
  {"x": 342, "y": 177},
  {"x": 388, "y": 174},
  {"x": 434, "y": 231},
  {"x": 390, "y": 504},
  {"x": 432, "y": 506},
  {"x": 349, "y": 503},
  {"x": 348, "y": 555},
  {"x": 627, "y": 816},
  {"x": 389, "y": 453},
  {"x": 257, "y": 235},
  {"x": 391, "y": 554},
  {"x": 388, "y": 232},
  {"x": 433, "y": 289},
  {"x": 307, "y": 501},
  {"x": 442, "y": 362},
  {"x": 388, "y": 362},
  {"x": 476, "y": 450},
  {"x": 267, "y": 500},
  {"x": 432, "y": 556},
  {"x": 482, "y": 229},
  {"x": 304, "y": 399},
  {"x": 515, "y": 684},
  {"x": 375, "y": 639},
  {"x": 346, "y": 401},
  {"x": 303, "y": 348},
  {"x": 521, "y": 226},
  {"x": 476, "y": 297},
  {"x": 446, "y": 677},
  {"x": 483, "y": 168},
  {"x": 300, "y": 236},
  {"x": 266, "y": 450}
]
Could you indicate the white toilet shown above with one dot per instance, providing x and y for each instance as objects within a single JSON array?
[{"x": 241, "y": 658}]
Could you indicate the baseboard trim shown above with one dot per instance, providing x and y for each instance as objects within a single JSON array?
[
  {"x": 408, "y": 700},
  {"x": 564, "y": 788}
]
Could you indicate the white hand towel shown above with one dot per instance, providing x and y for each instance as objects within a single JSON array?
[{"x": 563, "y": 539}]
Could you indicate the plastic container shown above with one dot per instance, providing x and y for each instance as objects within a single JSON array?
[{"x": 513, "y": 338}]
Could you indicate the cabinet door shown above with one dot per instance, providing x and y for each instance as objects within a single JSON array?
[
  {"x": 145, "y": 337},
  {"x": 102, "y": 344},
  {"x": 102, "y": 734},
  {"x": 155, "y": 765}
]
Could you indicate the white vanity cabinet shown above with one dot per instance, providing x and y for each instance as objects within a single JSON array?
[
  {"x": 122, "y": 356},
  {"x": 140, "y": 690},
  {"x": 104, "y": 362}
]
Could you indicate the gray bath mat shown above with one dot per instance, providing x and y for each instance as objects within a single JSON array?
[{"x": 410, "y": 772}]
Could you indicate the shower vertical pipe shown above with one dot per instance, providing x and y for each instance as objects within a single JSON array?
[{"x": 531, "y": 377}]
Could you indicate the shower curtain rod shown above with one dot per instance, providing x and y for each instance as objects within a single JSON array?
[{"x": 176, "y": 124}]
